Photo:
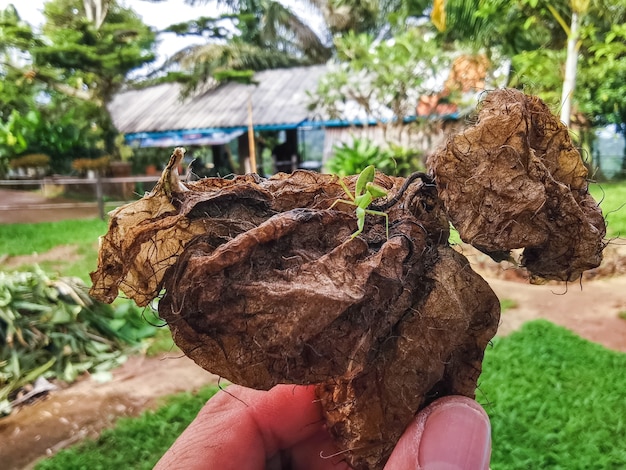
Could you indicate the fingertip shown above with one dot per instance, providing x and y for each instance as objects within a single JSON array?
[{"x": 452, "y": 433}]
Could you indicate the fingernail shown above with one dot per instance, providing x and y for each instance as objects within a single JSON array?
[{"x": 456, "y": 437}]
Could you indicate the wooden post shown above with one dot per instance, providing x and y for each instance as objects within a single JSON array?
[
  {"x": 100, "y": 195},
  {"x": 251, "y": 143}
]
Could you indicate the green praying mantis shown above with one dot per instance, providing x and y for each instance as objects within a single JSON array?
[{"x": 365, "y": 192}]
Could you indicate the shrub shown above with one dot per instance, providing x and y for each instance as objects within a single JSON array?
[
  {"x": 82, "y": 165},
  {"x": 351, "y": 158},
  {"x": 33, "y": 160}
]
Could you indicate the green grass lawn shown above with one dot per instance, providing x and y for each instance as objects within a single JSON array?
[
  {"x": 612, "y": 199},
  {"x": 80, "y": 235},
  {"x": 25, "y": 239},
  {"x": 556, "y": 401}
]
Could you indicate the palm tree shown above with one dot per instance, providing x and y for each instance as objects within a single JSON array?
[
  {"x": 270, "y": 34},
  {"x": 267, "y": 35}
]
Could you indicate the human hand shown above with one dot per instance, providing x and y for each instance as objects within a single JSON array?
[{"x": 283, "y": 428}]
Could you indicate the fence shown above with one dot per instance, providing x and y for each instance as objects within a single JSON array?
[{"x": 101, "y": 189}]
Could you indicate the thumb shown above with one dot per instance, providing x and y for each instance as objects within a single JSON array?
[{"x": 452, "y": 433}]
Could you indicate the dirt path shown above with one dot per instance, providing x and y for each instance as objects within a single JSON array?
[
  {"x": 84, "y": 409},
  {"x": 590, "y": 310}
]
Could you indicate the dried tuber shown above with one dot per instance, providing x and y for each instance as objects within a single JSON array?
[
  {"x": 261, "y": 282},
  {"x": 514, "y": 180}
]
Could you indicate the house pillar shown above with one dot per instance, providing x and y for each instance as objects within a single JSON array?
[{"x": 243, "y": 150}]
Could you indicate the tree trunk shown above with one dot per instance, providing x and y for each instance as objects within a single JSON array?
[
  {"x": 96, "y": 11},
  {"x": 622, "y": 127},
  {"x": 571, "y": 63}
]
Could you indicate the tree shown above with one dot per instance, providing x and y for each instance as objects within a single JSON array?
[
  {"x": 254, "y": 35},
  {"x": 90, "y": 53},
  {"x": 16, "y": 87},
  {"x": 269, "y": 34},
  {"x": 603, "y": 82},
  {"x": 383, "y": 79},
  {"x": 67, "y": 74},
  {"x": 536, "y": 36}
]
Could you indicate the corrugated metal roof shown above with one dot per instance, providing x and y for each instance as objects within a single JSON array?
[{"x": 280, "y": 97}]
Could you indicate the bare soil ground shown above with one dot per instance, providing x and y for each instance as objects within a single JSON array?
[
  {"x": 30, "y": 207},
  {"x": 590, "y": 309},
  {"x": 66, "y": 253},
  {"x": 82, "y": 410}
]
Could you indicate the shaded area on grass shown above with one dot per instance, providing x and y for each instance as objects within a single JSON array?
[{"x": 555, "y": 401}]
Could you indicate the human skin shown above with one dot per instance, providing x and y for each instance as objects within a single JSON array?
[{"x": 243, "y": 429}]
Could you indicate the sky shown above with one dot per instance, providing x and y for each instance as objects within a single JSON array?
[{"x": 158, "y": 15}]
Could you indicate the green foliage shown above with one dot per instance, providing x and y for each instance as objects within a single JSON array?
[
  {"x": 536, "y": 74},
  {"x": 382, "y": 78},
  {"x": 555, "y": 401},
  {"x": 602, "y": 84},
  {"x": 601, "y": 75},
  {"x": 50, "y": 326},
  {"x": 54, "y": 132},
  {"x": 532, "y": 35},
  {"x": 54, "y": 96},
  {"x": 235, "y": 60},
  {"x": 351, "y": 158},
  {"x": 91, "y": 56},
  {"x": 134, "y": 443}
]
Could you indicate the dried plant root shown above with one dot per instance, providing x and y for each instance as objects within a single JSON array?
[{"x": 514, "y": 180}]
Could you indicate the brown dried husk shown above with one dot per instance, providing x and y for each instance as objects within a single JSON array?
[
  {"x": 264, "y": 285},
  {"x": 514, "y": 180}
]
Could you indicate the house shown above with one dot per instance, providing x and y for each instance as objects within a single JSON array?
[{"x": 220, "y": 114}]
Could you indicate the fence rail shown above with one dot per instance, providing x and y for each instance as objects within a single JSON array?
[
  {"x": 126, "y": 183},
  {"x": 65, "y": 180}
]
